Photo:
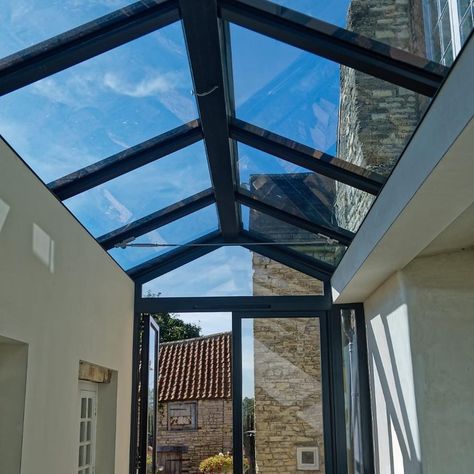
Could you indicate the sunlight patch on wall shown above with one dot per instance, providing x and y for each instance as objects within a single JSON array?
[
  {"x": 4, "y": 209},
  {"x": 43, "y": 247}
]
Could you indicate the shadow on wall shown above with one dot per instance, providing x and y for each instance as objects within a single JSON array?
[{"x": 395, "y": 423}]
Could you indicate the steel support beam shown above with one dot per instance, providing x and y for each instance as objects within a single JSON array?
[
  {"x": 127, "y": 160},
  {"x": 173, "y": 259},
  {"x": 337, "y": 233},
  {"x": 336, "y": 44},
  {"x": 85, "y": 42},
  {"x": 306, "y": 157},
  {"x": 203, "y": 43},
  {"x": 157, "y": 219},
  {"x": 286, "y": 256}
]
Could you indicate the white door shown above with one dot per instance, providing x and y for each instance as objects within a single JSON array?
[{"x": 87, "y": 427}]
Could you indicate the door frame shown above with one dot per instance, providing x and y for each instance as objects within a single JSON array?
[
  {"x": 332, "y": 392},
  {"x": 86, "y": 387},
  {"x": 331, "y": 356}
]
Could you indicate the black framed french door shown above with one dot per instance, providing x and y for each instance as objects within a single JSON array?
[
  {"x": 145, "y": 395},
  {"x": 287, "y": 392},
  {"x": 331, "y": 335}
]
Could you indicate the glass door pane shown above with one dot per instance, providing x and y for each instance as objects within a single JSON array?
[{"x": 282, "y": 398}]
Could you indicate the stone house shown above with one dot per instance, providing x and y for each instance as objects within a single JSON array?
[{"x": 195, "y": 402}]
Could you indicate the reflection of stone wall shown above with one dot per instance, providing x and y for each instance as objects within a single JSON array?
[
  {"x": 376, "y": 118},
  {"x": 213, "y": 434},
  {"x": 288, "y": 396}
]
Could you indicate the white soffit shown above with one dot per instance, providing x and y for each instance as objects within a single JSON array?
[{"x": 432, "y": 184}]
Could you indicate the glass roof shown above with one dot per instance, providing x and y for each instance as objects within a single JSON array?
[
  {"x": 228, "y": 272},
  {"x": 308, "y": 143},
  {"x": 101, "y": 106},
  {"x": 231, "y": 271},
  {"x": 308, "y": 243},
  {"x": 147, "y": 189},
  {"x": 295, "y": 190},
  {"x": 312, "y": 100},
  {"x": 27, "y": 22},
  {"x": 180, "y": 231},
  {"x": 352, "y": 15}
]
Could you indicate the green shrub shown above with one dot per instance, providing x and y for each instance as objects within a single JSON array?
[{"x": 220, "y": 463}]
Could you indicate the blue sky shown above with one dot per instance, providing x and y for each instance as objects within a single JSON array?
[{"x": 142, "y": 89}]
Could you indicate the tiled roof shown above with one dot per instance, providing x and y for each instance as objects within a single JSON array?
[{"x": 196, "y": 369}]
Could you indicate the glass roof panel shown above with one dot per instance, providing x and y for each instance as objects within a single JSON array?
[
  {"x": 142, "y": 191},
  {"x": 301, "y": 192},
  {"x": 307, "y": 243},
  {"x": 27, "y": 22},
  {"x": 404, "y": 24},
  {"x": 320, "y": 104},
  {"x": 102, "y": 106},
  {"x": 226, "y": 271},
  {"x": 233, "y": 271},
  {"x": 182, "y": 230}
]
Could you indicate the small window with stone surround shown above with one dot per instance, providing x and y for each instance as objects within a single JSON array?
[{"x": 182, "y": 416}]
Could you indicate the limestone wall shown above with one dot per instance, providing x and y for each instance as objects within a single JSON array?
[
  {"x": 287, "y": 361},
  {"x": 288, "y": 396},
  {"x": 213, "y": 434},
  {"x": 376, "y": 118}
]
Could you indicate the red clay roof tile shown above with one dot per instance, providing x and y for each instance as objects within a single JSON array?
[{"x": 196, "y": 369}]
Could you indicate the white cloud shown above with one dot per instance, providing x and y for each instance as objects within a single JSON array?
[
  {"x": 113, "y": 138},
  {"x": 116, "y": 209},
  {"x": 168, "y": 44},
  {"x": 161, "y": 86},
  {"x": 151, "y": 86}
]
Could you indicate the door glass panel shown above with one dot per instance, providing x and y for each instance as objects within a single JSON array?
[
  {"x": 355, "y": 459},
  {"x": 152, "y": 413},
  {"x": 82, "y": 434},
  {"x": 282, "y": 395}
]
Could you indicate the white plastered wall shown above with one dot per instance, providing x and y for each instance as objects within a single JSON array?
[
  {"x": 420, "y": 334},
  {"x": 67, "y": 301}
]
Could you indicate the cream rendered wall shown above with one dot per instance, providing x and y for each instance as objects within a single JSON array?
[
  {"x": 420, "y": 335},
  {"x": 80, "y": 308}
]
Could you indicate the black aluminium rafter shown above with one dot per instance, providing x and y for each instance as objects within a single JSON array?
[
  {"x": 157, "y": 219},
  {"x": 306, "y": 157},
  {"x": 282, "y": 254},
  {"x": 127, "y": 160},
  {"x": 343, "y": 236},
  {"x": 336, "y": 44},
  {"x": 201, "y": 30},
  {"x": 85, "y": 42},
  {"x": 175, "y": 258}
]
